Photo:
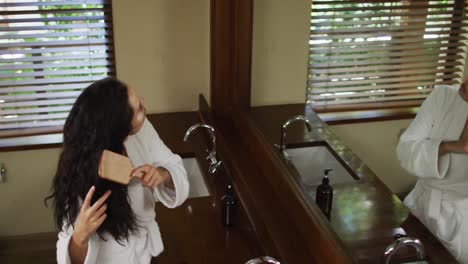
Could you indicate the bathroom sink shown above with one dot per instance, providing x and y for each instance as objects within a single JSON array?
[
  {"x": 197, "y": 182},
  {"x": 311, "y": 161}
]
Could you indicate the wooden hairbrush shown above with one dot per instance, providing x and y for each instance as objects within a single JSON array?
[{"x": 115, "y": 167}]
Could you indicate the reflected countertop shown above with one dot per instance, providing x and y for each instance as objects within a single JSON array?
[{"x": 365, "y": 213}]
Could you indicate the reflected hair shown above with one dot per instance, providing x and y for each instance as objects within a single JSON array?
[{"x": 100, "y": 119}]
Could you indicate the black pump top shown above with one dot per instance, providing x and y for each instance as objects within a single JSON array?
[
  {"x": 325, "y": 179},
  {"x": 229, "y": 190}
]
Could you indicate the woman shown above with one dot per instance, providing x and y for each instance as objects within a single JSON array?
[
  {"x": 101, "y": 221},
  {"x": 435, "y": 149}
]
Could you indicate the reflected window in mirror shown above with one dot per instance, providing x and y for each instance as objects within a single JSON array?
[{"x": 383, "y": 54}]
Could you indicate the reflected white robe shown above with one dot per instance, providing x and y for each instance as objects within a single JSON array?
[
  {"x": 145, "y": 147},
  {"x": 440, "y": 197}
]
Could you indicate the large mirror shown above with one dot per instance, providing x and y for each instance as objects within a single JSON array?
[{"x": 396, "y": 65}]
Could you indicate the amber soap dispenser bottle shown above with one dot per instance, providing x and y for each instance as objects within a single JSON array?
[{"x": 324, "y": 196}]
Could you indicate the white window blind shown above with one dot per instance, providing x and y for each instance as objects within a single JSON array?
[
  {"x": 49, "y": 52},
  {"x": 383, "y": 53}
]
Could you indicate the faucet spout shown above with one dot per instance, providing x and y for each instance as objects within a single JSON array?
[
  {"x": 198, "y": 125},
  {"x": 402, "y": 242},
  {"x": 285, "y": 126}
]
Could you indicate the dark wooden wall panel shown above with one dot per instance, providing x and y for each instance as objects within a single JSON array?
[{"x": 231, "y": 55}]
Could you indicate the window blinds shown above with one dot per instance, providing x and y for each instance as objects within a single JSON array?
[
  {"x": 49, "y": 52},
  {"x": 383, "y": 53}
]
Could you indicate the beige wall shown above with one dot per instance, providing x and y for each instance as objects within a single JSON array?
[
  {"x": 375, "y": 143},
  {"x": 162, "y": 50},
  {"x": 29, "y": 178},
  {"x": 279, "y": 53}
]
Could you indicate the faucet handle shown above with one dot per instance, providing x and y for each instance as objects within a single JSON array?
[
  {"x": 212, "y": 157},
  {"x": 214, "y": 167}
]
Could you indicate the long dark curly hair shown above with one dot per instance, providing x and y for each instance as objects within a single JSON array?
[{"x": 100, "y": 119}]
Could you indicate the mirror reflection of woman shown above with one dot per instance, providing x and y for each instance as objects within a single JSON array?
[
  {"x": 435, "y": 149},
  {"x": 101, "y": 221}
]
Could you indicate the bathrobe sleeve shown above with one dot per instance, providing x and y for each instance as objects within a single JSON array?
[
  {"x": 63, "y": 255},
  {"x": 163, "y": 157},
  {"x": 417, "y": 152}
]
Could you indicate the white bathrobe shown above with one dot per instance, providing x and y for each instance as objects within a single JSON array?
[
  {"x": 145, "y": 147},
  {"x": 440, "y": 197}
]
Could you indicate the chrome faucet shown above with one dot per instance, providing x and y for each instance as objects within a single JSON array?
[
  {"x": 214, "y": 163},
  {"x": 264, "y": 259},
  {"x": 401, "y": 242},
  {"x": 282, "y": 145}
]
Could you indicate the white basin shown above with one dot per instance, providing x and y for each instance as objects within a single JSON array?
[
  {"x": 312, "y": 161},
  {"x": 195, "y": 177}
]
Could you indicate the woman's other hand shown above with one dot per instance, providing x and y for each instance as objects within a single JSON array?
[
  {"x": 460, "y": 147},
  {"x": 464, "y": 143},
  {"x": 89, "y": 219},
  {"x": 152, "y": 177}
]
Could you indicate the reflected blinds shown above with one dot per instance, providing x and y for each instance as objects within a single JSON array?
[
  {"x": 378, "y": 54},
  {"x": 49, "y": 52}
]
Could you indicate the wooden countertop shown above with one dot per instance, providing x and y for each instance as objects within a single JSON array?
[
  {"x": 193, "y": 233},
  {"x": 366, "y": 214}
]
